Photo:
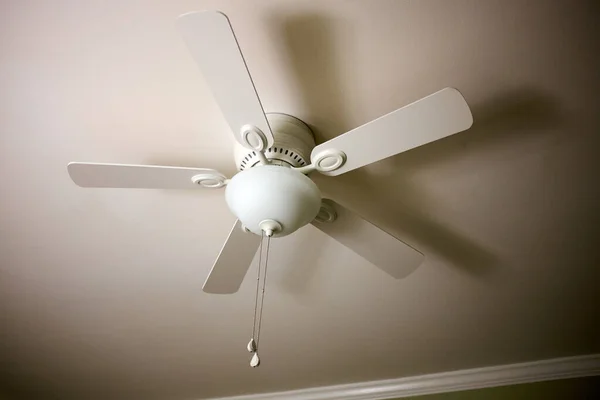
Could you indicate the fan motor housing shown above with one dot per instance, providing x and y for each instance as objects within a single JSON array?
[{"x": 294, "y": 141}]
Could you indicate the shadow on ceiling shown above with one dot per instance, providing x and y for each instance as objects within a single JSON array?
[{"x": 311, "y": 54}]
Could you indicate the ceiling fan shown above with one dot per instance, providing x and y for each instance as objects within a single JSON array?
[{"x": 272, "y": 194}]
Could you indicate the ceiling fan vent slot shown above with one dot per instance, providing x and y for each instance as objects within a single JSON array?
[
  {"x": 276, "y": 155},
  {"x": 293, "y": 144}
]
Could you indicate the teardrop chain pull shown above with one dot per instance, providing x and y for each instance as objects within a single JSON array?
[
  {"x": 252, "y": 346},
  {"x": 255, "y": 361}
]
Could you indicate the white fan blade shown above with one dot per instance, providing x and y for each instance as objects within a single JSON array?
[
  {"x": 434, "y": 117},
  {"x": 142, "y": 176},
  {"x": 233, "y": 261},
  {"x": 370, "y": 242},
  {"x": 210, "y": 39}
]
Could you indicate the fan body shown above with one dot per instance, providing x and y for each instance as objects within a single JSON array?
[{"x": 275, "y": 195}]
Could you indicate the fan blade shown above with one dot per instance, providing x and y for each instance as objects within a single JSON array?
[
  {"x": 434, "y": 117},
  {"x": 210, "y": 39},
  {"x": 370, "y": 242},
  {"x": 142, "y": 176},
  {"x": 233, "y": 261}
]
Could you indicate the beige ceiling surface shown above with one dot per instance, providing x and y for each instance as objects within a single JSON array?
[{"x": 100, "y": 290}]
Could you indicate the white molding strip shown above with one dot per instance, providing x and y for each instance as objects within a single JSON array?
[{"x": 477, "y": 378}]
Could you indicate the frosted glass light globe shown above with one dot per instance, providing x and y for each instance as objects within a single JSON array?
[{"x": 271, "y": 192}]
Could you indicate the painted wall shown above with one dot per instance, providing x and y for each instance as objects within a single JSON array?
[{"x": 580, "y": 388}]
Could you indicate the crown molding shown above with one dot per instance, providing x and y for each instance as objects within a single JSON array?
[{"x": 477, "y": 378}]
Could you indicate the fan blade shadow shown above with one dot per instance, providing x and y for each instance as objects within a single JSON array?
[{"x": 400, "y": 208}]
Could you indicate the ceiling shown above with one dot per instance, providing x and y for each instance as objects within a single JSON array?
[{"x": 100, "y": 289}]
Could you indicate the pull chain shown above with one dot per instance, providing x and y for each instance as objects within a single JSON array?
[
  {"x": 252, "y": 347},
  {"x": 262, "y": 297},
  {"x": 254, "y": 342}
]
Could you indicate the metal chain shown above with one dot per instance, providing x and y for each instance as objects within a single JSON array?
[
  {"x": 262, "y": 298},
  {"x": 257, "y": 284}
]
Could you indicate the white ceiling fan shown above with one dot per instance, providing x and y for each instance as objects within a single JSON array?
[{"x": 272, "y": 194}]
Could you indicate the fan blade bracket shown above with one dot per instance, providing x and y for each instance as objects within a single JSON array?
[
  {"x": 328, "y": 160},
  {"x": 210, "y": 180},
  {"x": 327, "y": 213},
  {"x": 253, "y": 138}
]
